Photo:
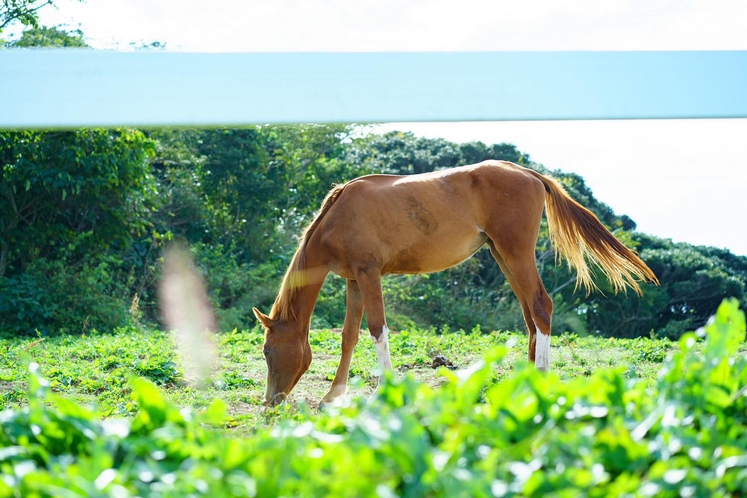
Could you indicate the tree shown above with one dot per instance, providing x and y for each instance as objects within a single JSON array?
[
  {"x": 402, "y": 153},
  {"x": 240, "y": 197},
  {"x": 74, "y": 205},
  {"x": 310, "y": 158},
  {"x": 24, "y": 11},
  {"x": 41, "y": 36},
  {"x": 77, "y": 191}
]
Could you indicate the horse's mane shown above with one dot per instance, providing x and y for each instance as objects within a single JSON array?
[{"x": 294, "y": 276}]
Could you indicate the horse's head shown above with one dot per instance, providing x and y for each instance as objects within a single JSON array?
[{"x": 287, "y": 353}]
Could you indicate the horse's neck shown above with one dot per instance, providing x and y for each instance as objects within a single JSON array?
[
  {"x": 304, "y": 285},
  {"x": 304, "y": 300}
]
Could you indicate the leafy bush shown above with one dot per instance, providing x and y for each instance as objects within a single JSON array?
[
  {"x": 54, "y": 297},
  {"x": 530, "y": 435},
  {"x": 451, "y": 297},
  {"x": 235, "y": 287}
]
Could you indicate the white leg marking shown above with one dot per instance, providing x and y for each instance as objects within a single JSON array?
[
  {"x": 382, "y": 349},
  {"x": 542, "y": 351}
]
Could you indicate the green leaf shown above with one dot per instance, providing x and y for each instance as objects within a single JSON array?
[{"x": 215, "y": 414}]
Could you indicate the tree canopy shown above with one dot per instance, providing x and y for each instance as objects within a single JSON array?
[
  {"x": 41, "y": 36},
  {"x": 24, "y": 11},
  {"x": 74, "y": 200}
]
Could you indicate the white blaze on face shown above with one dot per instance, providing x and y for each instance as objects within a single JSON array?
[
  {"x": 382, "y": 349},
  {"x": 542, "y": 351}
]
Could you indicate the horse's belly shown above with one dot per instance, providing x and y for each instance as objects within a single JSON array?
[{"x": 433, "y": 255}]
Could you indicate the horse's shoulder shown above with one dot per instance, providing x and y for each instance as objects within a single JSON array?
[{"x": 374, "y": 180}]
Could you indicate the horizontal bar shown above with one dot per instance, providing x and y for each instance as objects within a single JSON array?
[{"x": 70, "y": 88}]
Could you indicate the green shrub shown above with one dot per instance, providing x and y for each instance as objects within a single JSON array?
[
  {"x": 53, "y": 297},
  {"x": 235, "y": 287},
  {"x": 450, "y": 297}
]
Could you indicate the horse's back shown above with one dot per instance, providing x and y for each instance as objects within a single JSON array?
[{"x": 468, "y": 194}]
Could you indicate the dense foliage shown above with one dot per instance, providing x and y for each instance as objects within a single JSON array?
[
  {"x": 685, "y": 434},
  {"x": 85, "y": 215}
]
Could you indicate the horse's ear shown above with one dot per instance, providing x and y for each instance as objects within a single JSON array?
[{"x": 266, "y": 320}]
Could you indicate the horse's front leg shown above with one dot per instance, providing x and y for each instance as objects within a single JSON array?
[
  {"x": 350, "y": 333},
  {"x": 369, "y": 281}
]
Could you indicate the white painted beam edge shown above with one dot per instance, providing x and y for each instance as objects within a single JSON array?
[{"x": 73, "y": 88}]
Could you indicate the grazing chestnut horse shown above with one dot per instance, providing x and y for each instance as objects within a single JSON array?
[{"x": 381, "y": 224}]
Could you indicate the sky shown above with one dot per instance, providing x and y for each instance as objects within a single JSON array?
[{"x": 679, "y": 179}]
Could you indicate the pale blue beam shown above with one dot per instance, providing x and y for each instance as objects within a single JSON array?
[{"x": 72, "y": 88}]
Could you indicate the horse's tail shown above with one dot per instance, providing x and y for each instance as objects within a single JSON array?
[{"x": 578, "y": 236}]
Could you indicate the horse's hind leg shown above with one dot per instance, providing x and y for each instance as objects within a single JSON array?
[
  {"x": 350, "y": 332},
  {"x": 531, "y": 329},
  {"x": 525, "y": 280},
  {"x": 540, "y": 306}
]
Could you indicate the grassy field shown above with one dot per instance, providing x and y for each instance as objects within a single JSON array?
[
  {"x": 95, "y": 369},
  {"x": 615, "y": 418}
]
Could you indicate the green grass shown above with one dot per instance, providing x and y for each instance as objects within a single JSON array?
[
  {"x": 498, "y": 428},
  {"x": 95, "y": 369}
]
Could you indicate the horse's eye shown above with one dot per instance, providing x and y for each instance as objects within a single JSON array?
[{"x": 266, "y": 351}]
